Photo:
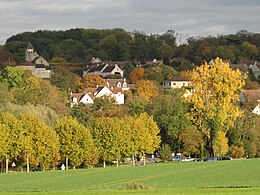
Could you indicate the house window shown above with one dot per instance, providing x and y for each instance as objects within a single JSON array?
[
  {"x": 118, "y": 84},
  {"x": 173, "y": 84},
  {"x": 183, "y": 84}
]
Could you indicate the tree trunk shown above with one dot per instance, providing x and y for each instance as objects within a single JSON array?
[
  {"x": 133, "y": 159},
  {"x": 6, "y": 165},
  {"x": 144, "y": 158},
  {"x": 104, "y": 164},
  {"x": 74, "y": 167},
  {"x": 27, "y": 163},
  {"x": 117, "y": 162},
  {"x": 67, "y": 163}
]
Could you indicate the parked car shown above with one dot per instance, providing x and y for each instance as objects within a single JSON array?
[
  {"x": 211, "y": 159},
  {"x": 226, "y": 158},
  {"x": 177, "y": 158}
]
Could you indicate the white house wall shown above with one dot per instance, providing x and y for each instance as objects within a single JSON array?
[{"x": 86, "y": 99}]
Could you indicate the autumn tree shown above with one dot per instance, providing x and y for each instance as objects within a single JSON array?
[
  {"x": 109, "y": 138},
  {"x": 147, "y": 89},
  {"x": 220, "y": 143},
  {"x": 13, "y": 137},
  {"x": 136, "y": 75},
  {"x": 91, "y": 81},
  {"x": 40, "y": 92},
  {"x": 40, "y": 142},
  {"x": 216, "y": 88},
  {"x": 149, "y": 134},
  {"x": 75, "y": 140},
  {"x": 191, "y": 141}
]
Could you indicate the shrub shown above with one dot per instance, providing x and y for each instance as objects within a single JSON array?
[
  {"x": 236, "y": 152},
  {"x": 165, "y": 152},
  {"x": 134, "y": 186}
]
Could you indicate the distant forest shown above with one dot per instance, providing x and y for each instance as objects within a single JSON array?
[{"x": 79, "y": 45}]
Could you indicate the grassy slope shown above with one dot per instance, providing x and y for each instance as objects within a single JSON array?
[{"x": 237, "y": 176}]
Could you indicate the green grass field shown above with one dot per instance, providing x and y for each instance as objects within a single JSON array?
[{"x": 222, "y": 177}]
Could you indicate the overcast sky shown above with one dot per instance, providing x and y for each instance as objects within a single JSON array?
[{"x": 187, "y": 17}]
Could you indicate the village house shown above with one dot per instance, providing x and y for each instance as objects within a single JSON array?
[
  {"x": 178, "y": 83},
  {"x": 104, "y": 70},
  {"x": 256, "y": 70},
  {"x": 256, "y": 110},
  {"x": 117, "y": 83},
  {"x": 175, "y": 83},
  {"x": 36, "y": 64},
  {"x": 91, "y": 93},
  {"x": 251, "y": 98}
]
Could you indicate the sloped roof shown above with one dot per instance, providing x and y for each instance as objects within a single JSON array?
[
  {"x": 241, "y": 67},
  {"x": 29, "y": 45},
  {"x": 34, "y": 60},
  {"x": 257, "y": 65},
  {"x": 251, "y": 95},
  {"x": 96, "y": 68},
  {"x": 117, "y": 90},
  {"x": 178, "y": 79},
  {"x": 109, "y": 68},
  {"x": 113, "y": 82},
  {"x": 27, "y": 63},
  {"x": 78, "y": 96}
]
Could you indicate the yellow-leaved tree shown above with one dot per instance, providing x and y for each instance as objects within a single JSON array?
[{"x": 216, "y": 92}]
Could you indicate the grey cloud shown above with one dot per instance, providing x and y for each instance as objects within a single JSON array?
[{"x": 188, "y": 17}]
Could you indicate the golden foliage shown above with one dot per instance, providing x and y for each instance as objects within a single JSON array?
[
  {"x": 217, "y": 89},
  {"x": 137, "y": 74}
]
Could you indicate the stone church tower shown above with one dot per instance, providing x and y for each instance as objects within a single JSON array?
[{"x": 30, "y": 54}]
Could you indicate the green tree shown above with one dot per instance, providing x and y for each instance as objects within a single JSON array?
[
  {"x": 170, "y": 112},
  {"x": 165, "y": 152},
  {"x": 83, "y": 114},
  {"x": 165, "y": 51},
  {"x": 13, "y": 77},
  {"x": 64, "y": 79},
  {"x": 137, "y": 105},
  {"x": 74, "y": 51},
  {"x": 105, "y": 103},
  {"x": 108, "y": 44},
  {"x": 245, "y": 134}
]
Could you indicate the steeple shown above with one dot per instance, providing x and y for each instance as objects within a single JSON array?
[
  {"x": 29, "y": 53},
  {"x": 30, "y": 46}
]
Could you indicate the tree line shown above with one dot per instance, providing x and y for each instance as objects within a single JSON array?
[
  {"x": 210, "y": 122},
  {"x": 79, "y": 45}
]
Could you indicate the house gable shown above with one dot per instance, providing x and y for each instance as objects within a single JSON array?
[{"x": 256, "y": 110}]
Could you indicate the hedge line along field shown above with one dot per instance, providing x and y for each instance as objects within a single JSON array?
[{"x": 222, "y": 177}]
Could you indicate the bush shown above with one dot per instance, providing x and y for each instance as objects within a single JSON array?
[
  {"x": 165, "y": 152},
  {"x": 236, "y": 152},
  {"x": 134, "y": 186}
]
